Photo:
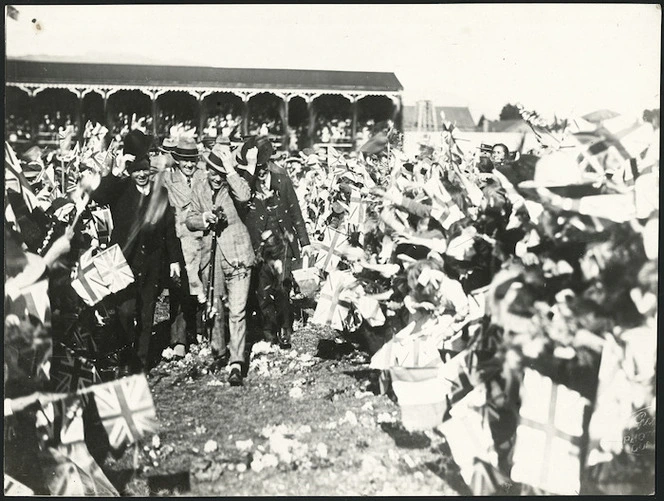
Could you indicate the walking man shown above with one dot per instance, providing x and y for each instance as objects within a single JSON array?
[
  {"x": 213, "y": 209},
  {"x": 144, "y": 228},
  {"x": 186, "y": 293},
  {"x": 277, "y": 230}
]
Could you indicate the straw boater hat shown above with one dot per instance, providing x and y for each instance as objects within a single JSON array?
[{"x": 185, "y": 149}]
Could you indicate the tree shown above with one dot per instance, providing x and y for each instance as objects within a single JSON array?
[{"x": 510, "y": 112}]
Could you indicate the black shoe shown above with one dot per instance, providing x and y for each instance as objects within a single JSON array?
[
  {"x": 284, "y": 341},
  {"x": 219, "y": 362},
  {"x": 235, "y": 379}
]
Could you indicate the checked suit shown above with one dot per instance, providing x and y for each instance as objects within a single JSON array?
[{"x": 234, "y": 257}]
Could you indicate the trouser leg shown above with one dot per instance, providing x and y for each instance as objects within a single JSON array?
[
  {"x": 218, "y": 336},
  {"x": 126, "y": 311},
  {"x": 147, "y": 304},
  {"x": 237, "y": 287},
  {"x": 176, "y": 316},
  {"x": 265, "y": 299}
]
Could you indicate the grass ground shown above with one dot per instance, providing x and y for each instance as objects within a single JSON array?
[{"x": 309, "y": 421}]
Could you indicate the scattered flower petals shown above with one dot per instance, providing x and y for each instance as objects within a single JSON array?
[{"x": 210, "y": 446}]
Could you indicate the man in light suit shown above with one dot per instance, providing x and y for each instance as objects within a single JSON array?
[
  {"x": 213, "y": 208},
  {"x": 185, "y": 293}
]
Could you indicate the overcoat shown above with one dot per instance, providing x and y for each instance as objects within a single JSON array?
[
  {"x": 179, "y": 196},
  {"x": 148, "y": 247},
  {"x": 282, "y": 213}
]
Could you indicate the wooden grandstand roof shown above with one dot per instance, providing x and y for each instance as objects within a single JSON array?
[{"x": 91, "y": 74}]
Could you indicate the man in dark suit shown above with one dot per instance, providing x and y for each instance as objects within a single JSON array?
[
  {"x": 144, "y": 228},
  {"x": 273, "y": 213}
]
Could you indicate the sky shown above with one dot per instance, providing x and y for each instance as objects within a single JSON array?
[{"x": 567, "y": 59}]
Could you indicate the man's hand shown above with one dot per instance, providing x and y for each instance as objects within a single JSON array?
[
  {"x": 89, "y": 181},
  {"x": 209, "y": 218},
  {"x": 60, "y": 247},
  {"x": 175, "y": 270},
  {"x": 252, "y": 156},
  {"x": 226, "y": 159},
  {"x": 121, "y": 164}
]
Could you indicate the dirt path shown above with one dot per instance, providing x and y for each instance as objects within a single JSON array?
[{"x": 301, "y": 425}]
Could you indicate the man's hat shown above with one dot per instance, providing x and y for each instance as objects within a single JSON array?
[
  {"x": 213, "y": 159},
  {"x": 265, "y": 150},
  {"x": 186, "y": 149},
  {"x": 139, "y": 164},
  {"x": 137, "y": 143},
  {"x": 168, "y": 145}
]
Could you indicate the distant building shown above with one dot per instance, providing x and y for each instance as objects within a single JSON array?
[{"x": 458, "y": 115}]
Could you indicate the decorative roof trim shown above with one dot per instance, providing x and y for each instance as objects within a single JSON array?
[{"x": 199, "y": 93}]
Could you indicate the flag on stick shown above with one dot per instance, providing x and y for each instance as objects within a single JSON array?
[{"x": 126, "y": 409}]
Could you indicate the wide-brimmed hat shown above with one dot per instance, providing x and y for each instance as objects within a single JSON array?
[
  {"x": 265, "y": 150},
  {"x": 558, "y": 169},
  {"x": 168, "y": 145},
  {"x": 137, "y": 143},
  {"x": 213, "y": 159},
  {"x": 185, "y": 149}
]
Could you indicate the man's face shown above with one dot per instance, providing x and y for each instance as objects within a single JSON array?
[
  {"x": 215, "y": 179},
  {"x": 261, "y": 172},
  {"x": 141, "y": 177},
  {"x": 187, "y": 167},
  {"x": 498, "y": 155}
]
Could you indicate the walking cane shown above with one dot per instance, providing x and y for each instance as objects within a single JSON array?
[{"x": 209, "y": 313}]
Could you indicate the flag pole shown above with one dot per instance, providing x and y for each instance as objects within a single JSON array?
[{"x": 62, "y": 175}]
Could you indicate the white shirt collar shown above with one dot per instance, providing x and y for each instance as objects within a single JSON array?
[
  {"x": 266, "y": 182},
  {"x": 144, "y": 190}
]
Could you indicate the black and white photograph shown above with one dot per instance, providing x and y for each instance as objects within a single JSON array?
[{"x": 331, "y": 249}]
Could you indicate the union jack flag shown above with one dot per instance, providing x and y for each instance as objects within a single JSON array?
[
  {"x": 34, "y": 301},
  {"x": 88, "y": 283},
  {"x": 70, "y": 373},
  {"x": 126, "y": 409},
  {"x": 113, "y": 269},
  {"x": 65, "y": 212},
  {"x": 103, "y": 224},
  {"x": 15, "y": 178},
  {"x": 328, "y": 257}
]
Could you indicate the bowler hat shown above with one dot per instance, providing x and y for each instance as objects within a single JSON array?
[
  {"x": 265, "y": 150},
  {"x": 139, "y": 164},
  {"x": 186, "y": 149},
  {"x": 137, "y": 143}
]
